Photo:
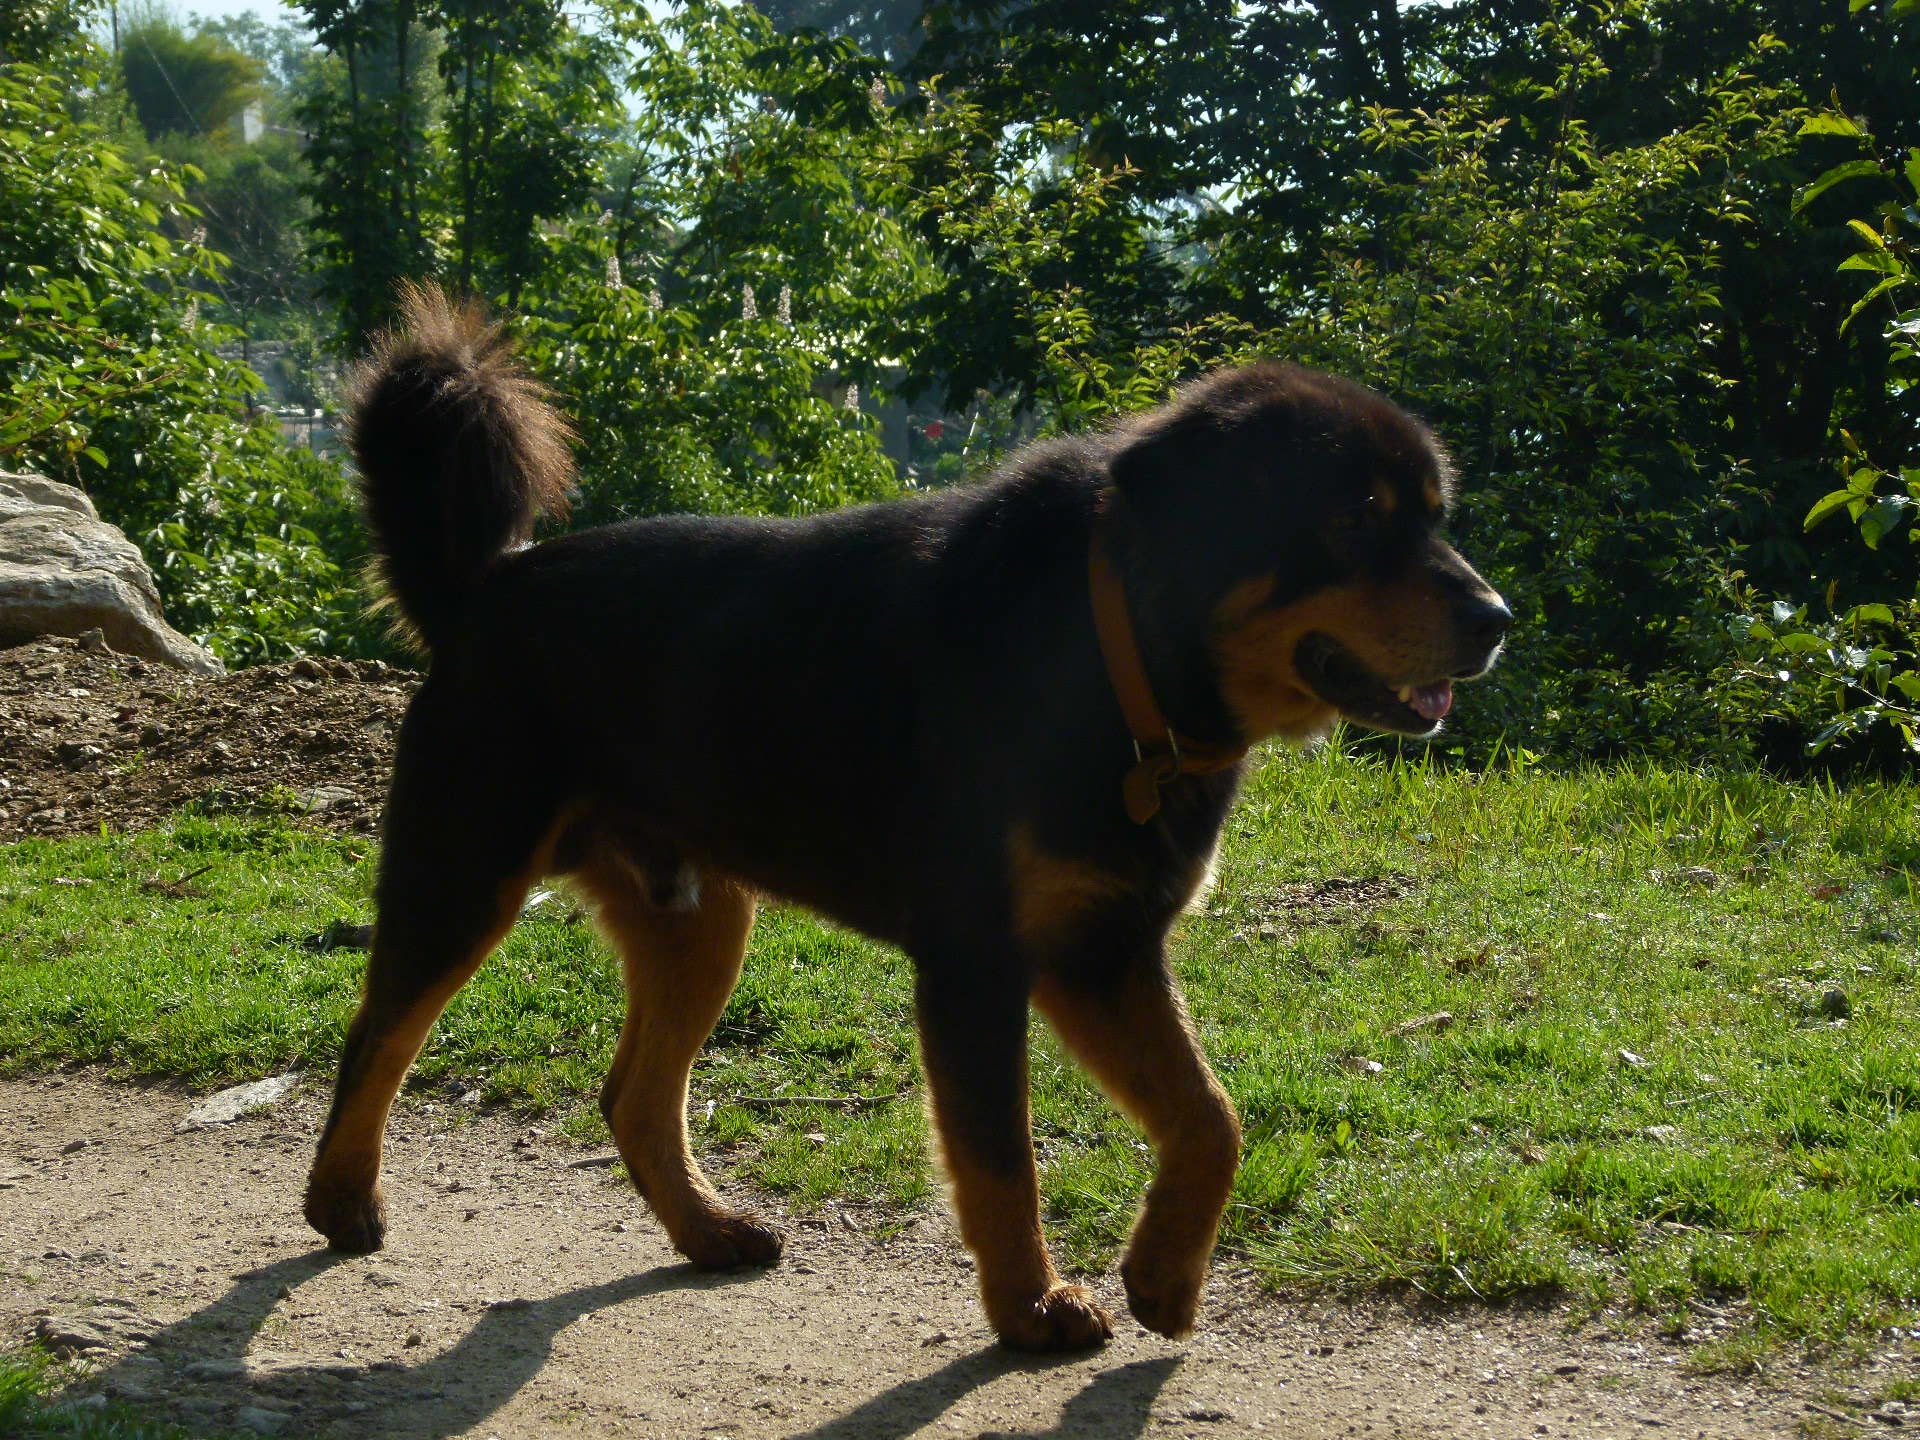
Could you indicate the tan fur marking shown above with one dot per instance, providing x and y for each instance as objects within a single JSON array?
[
  {"x": 1140, "y": 1046},
  {"x": 1050, "y": 892},
  {"x": 681, "y": 964},
  {"x": 1432, "y": 492},
  {"x": 1394, "y": 630},
  {"x": 1384, "y": 501},
  {"x": 999, "y": 1215},
  {"x": 345, "y": 1180}
]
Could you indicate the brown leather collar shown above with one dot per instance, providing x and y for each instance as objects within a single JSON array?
[{"x": 1160, "y": 755}]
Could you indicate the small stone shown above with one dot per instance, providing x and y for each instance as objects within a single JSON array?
[
  {"x": 1567, "y": 1367},
  {"x": 261, "y": 1420},
  {"x": 68, "y": 1335},
  {"x": 516, "y": 1302},
  {"x": 1834, "y": 1004},
  {"x": 938, "y": 1337},
  {"x": 414, "y": 1339},
  {"x": 1627, "y": 1057},
  {"x": 230, "y": 1104},
  {"x": 94, "y": 640},
  {"x": 1206, "y": 1414},
  {"x": 1662, "y": 1133},
  {"x": 1437, "y": 1021},
  {"x": 323, "y": 798},
  {"x": 216, "y": 1370}
]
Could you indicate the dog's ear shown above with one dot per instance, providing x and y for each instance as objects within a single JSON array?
[{"x": 1156, "y": 461}]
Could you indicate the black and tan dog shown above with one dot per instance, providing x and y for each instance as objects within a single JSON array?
[{"x": 998, "y": 727}]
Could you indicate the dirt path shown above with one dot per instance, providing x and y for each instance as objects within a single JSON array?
[{"x": 524, "y": 1296}]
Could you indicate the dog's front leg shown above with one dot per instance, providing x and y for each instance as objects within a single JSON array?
[
  {"x": 973, "y": 1037},
  {"x": 1129, "y": 1028}
]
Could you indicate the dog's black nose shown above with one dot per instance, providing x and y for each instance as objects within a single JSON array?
[{"x": 1485, "y": 620}]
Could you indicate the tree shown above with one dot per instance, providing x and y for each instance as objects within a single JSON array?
[
  {"x": 369, "y": 115},
  {"x": 889, "y": 29},
  {"x": 183, "y": 84}
]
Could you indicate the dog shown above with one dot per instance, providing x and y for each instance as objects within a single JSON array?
[{"x": 998, "y": 726}]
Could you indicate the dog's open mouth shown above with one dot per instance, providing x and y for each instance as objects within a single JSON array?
[{"x": 1336, "y": 675}]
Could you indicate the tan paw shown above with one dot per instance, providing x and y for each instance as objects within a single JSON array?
[
  {"x": 1065, "y": 1318},
  {"x": 353, "y": 1218},
  {"x": 734, "y": 1242},
  {"x": 1164, "y": 1297}
]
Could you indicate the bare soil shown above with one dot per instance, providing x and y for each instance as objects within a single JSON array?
[
  {"x": 524, "y": 1293},
  {"x": 88, "y": 736}
]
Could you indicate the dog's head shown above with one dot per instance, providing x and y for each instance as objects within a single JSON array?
[{"x": 1298, "y": 518}]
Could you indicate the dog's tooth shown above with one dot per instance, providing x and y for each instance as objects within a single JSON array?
[{"x": 1405, "y": 692}]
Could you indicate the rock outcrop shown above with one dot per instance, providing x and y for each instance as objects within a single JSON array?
[{"x": 65, "y": 571}]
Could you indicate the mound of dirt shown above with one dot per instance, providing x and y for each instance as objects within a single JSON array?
[{"x": 88, "y": 736}]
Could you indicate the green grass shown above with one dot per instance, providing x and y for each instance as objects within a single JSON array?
[{"x": 1639, "y": 1099}]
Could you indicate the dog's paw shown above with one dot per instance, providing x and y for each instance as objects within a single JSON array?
[
  {"x": 1065, "y": 1318},
  {"x": 1163, "y": 1296},
  {"x": 734, "y": 1242},
  {"x": 354, "y": 1221}
]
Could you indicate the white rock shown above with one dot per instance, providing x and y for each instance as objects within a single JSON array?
[
  {"x": 230, "y": 1104},
  {"x": 65, "y": 571}
]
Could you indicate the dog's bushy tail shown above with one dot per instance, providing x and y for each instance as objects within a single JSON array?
[{"x": 459, "y": 453}]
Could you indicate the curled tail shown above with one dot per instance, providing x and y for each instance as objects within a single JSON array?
[{"x": 459, "y": 453}]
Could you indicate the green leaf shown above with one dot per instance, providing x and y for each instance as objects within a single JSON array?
[
  {"x": 1838, "y": 175},
  {"x": 1883, "y": 519},
  {"x": 1825, "y": 506},
  {"x": 1873, "y": 294},
  {"x": 1872, "y": 612},
  {"x": 1879, "y": 261},
  {"x": 1867, "y": 233},
  {"x": 1831, "y": 122}
]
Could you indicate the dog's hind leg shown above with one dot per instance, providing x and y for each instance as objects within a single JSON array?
[
  {"x": 1133, "y": 1034},
  {"x": 456, "y": 861},
  {"x": 681, "y": 950}
]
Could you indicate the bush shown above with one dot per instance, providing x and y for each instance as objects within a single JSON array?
[{"x": 109, "y": 380}]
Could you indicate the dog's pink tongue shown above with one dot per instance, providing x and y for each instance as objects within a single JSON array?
[{"x": 1432, "y": 702}]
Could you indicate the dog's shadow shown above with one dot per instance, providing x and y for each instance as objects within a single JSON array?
[
  {"x": 1114, "y": 1405},
  {"x": 446, "y": 1395},
  {"x": 508, "y": 1346}
]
